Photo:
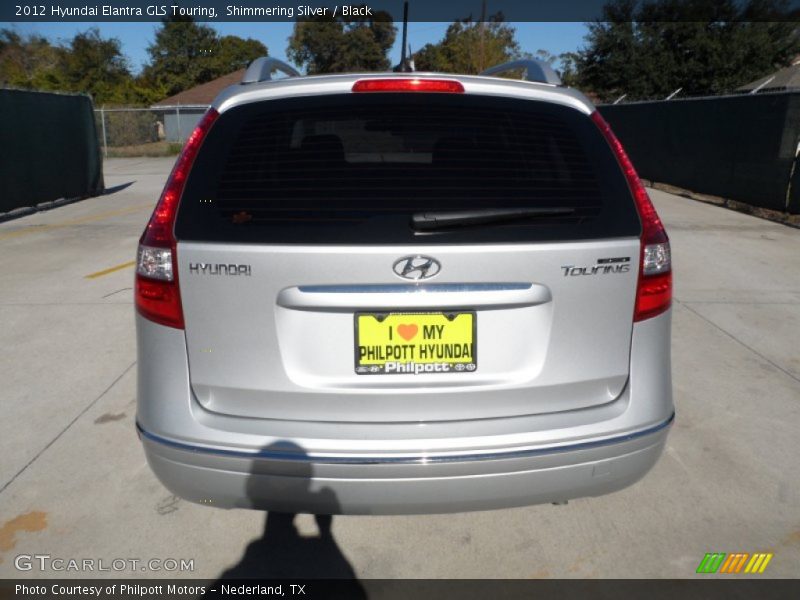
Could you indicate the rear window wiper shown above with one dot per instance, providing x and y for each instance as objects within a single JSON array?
[{"x": 426, "y": 221}]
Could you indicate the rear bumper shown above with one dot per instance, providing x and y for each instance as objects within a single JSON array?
[
  {"x": 399, "y": 468},
  {"x": 281, "y": 478}
]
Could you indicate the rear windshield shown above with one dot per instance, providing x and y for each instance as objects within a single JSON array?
[{"x": 354, "y": 168}]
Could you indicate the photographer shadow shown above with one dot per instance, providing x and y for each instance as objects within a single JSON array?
[{"x": 282, "y": 552}]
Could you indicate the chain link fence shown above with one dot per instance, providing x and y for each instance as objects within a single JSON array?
[{"x": 154, "y": 131}]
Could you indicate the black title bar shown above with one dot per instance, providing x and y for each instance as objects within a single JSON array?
[
  {"x": 710, "y": 588},
  {"x": 211, "y": 11}
]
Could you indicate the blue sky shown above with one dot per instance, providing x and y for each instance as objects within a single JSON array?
[{"x": 135, "y": 37}]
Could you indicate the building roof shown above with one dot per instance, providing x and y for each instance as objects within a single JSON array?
[
  {"x": 787, "y": 78},
  {"x": 203, "y": 94}
]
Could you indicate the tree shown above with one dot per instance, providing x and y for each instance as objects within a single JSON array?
[
  {"x": 568, "y": 68},
  {"x": 186, "y": 54},
  {"x": 29, "y": 62},
  {"x": 232, "y": 53},
  {"x": 545, "y": 56},
  {"x": 88, "y": 64},
  {"x": 324, "y": 45},
  {"x": 470, "y": 47},
  {"x": 650, "y": 49},
  {"x": 96, "y": 66}
]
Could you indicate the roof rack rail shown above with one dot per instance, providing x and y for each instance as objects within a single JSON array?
[
  {"x": 261, "y": 70},
  {"x": 535, "y": 70}
]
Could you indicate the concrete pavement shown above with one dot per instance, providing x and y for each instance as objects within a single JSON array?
[{"x": 74, "y": 483}]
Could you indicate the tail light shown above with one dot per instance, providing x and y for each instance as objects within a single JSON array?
[
  {"x": 654, "y": 288},
  {"x": 157, "y": 292},
  {"x": 396, "y": 84}
]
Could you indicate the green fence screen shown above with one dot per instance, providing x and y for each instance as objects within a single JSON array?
[
  {"x": 48, "y": 148},
  {"x": 736, "y": 147}
]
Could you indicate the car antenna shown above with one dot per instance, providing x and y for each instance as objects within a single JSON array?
[{"x": 405, "y": 65}]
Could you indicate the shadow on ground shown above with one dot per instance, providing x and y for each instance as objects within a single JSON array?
[
  {"x": 282, "y": 552},
  {"x": 117, "y": 188}
]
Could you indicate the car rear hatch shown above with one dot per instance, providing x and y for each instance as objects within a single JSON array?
[{"x": 321, "y": 279}]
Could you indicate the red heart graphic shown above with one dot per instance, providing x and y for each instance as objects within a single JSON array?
[{"x": 407, "y": 331}]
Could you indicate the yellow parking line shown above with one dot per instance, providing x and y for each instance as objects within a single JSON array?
[
  {"x": 96, "y": 217},
  {"x": 110, "y": 270}
]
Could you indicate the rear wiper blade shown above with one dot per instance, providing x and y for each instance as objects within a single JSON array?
[{"x": 443, "y": 220}]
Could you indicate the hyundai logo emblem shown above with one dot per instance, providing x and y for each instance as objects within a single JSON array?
[{"x": 417, "y": 267}]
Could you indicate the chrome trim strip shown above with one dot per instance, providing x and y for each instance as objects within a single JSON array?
[
  {"x": 398, "y": 297},
  {"x": 407, "y": 288},
  {"x": 376, "y": 460}
]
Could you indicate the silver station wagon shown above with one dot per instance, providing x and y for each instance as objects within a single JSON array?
[{"x": 402, "y": 293}]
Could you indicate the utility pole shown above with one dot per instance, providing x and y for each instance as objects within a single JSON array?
[
  {"x": 482, "y": 43},
  {"x": 105, "y": 137}
]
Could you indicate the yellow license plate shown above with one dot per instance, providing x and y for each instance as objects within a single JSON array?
[{"x": 415, "y": 343}]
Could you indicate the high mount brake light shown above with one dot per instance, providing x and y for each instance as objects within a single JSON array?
[
  {"x": 654, "y": 287},
  {"x": 446, "y": 86},
  {"x": 157, "y": 292}
]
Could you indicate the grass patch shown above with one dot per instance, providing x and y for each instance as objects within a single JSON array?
[{"x": 162, "y": 148}]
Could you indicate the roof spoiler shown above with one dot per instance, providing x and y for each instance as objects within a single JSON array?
[
  {"x": 535, "y": 70},
  {"x": 261, "y": 70}
]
